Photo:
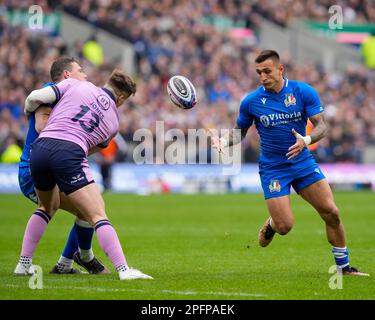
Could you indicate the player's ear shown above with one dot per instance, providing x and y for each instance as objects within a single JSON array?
[
  {"x": 120, "y": 100},
  {"x": 281, "y": 68},
  {"x": 66, "y": 74}
]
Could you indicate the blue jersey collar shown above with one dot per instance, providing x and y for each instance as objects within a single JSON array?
[{"x": 286, "y": 82}]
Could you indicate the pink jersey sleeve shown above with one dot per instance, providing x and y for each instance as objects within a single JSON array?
[{"x": 62, "y": 87}]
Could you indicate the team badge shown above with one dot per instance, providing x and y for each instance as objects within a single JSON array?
[
  {"x": 289, "y": 99},
  {"x": 275, "y": 186}
]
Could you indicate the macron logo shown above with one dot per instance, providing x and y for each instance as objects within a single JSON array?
[{"x": 263, "y": 100}]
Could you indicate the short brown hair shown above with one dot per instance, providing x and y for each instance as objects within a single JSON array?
[
  {"x": 58, "y": 67},
  {"x": 267, "y": 54},
  {"x": 121, "y": 83}
]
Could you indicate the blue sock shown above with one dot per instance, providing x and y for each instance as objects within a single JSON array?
[
  {"x": 341, "y": 256},
  {"x": 84, "y": 235},
  {"x": 72, "y": 244}
]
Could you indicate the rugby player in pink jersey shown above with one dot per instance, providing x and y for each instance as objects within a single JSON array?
[
  {"x": 79, "y": 244},
  {"x": 84, "y": 118}
]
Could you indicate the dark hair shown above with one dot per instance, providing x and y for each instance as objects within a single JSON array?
[
  {"x": 267, "y": 54},
  {"x": 58, "y": 67},
  {"x": 121, "y": 83}
]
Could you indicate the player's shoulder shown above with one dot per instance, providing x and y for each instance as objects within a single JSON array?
[
  {"x": 254, "y": 94},
  {"x": 71, "y": 82},
  {"x": 300, "y": 85},
  {"x": 47, "y": 84},
  {"x": 87, "y": 84}
]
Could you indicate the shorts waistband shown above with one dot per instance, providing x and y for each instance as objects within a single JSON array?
[{"x": 56, "y": 144}]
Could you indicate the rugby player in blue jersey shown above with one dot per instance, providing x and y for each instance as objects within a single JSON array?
[
  {"x": 280, "y": 109},
  {"x": 78, "y": 247}
]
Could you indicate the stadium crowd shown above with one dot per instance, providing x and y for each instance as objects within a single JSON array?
[
  {"x": 172, "y": 37},
  {"x": 281, "y": 12}
]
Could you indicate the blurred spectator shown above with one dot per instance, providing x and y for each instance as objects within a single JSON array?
[
  {"x": 93, "y": 51},
  {"x": 12, "y": 151},
  {"x": 105, "y": 158},
  {"x": 368, "y": 51}
]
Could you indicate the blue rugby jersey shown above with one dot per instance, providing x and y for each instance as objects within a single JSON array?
[
  {"x": 275, "y": 114},
  {"x": 31, "y": 136}
]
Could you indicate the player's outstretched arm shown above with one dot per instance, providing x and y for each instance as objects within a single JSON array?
[
  {"x": 319, "y": 132},
  {"x": 37, "y": 97},
  {"x": 233, "y": 137}
]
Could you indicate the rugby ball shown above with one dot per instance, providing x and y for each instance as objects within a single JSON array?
[{"x": 182, "y": 92}]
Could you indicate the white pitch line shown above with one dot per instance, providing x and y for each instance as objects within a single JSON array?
[{"x": 186, "y": 293}]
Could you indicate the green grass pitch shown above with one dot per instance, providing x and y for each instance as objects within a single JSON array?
[{"x": 198, "y": 247}]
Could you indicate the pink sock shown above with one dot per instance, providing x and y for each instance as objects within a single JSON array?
[
  {"x": 34, "y": 232},
  {"x": 110, "y": 243}
]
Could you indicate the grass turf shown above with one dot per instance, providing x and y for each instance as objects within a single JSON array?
[{"x": 198, "y": 247}]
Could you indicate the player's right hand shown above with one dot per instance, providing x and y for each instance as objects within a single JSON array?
[{"x": 218, "y": 143}]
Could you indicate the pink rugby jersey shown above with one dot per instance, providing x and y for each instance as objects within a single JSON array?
[{"x": 84, "y": 114}]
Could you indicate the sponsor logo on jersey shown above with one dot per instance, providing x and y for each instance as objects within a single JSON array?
[
  {"x": 289, "y": 99},
  {"x": 103, "y": 101},
  {"x": 280, "y": 118},
  {"x": 264, "y": 100},
  {"x": 275, "y": 186}
]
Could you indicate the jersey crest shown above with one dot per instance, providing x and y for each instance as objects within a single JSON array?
[
  {"x": 275, "y": 186},
  {"x": 289, "y": 99}
]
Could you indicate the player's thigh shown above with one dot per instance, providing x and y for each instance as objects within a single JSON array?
[
  {"x": 319, "y": 195},
  {"x": 43, "y": 177},
  {"x": 280, "y": 211},
  {"x": 89, "y": 202},
  {"x": 49, "y": 200},
  {"x": 67, "y": 205}
]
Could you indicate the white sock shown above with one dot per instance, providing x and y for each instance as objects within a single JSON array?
[
  {"x": 122, "y": 268},
  {"x": 270, "y": 222},
  {"x": 86, "y": 255},
  {"x": 25, "y": 261},
  {"x": 64, "y": 264}
]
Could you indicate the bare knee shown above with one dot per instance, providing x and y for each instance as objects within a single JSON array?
[
  {"x": 331, "y": 215},
  {"x": 283, "y": 227},
  {"x": 92, "y": 219},
  {"x": 51, "y": 210}
]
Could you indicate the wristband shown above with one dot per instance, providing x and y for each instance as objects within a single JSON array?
[{"x": 307, "y": 140}]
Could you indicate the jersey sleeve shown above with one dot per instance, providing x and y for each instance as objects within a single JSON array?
[
  {"x": 62, "y": 87},
  {"x": 311, "y": 100},
  {"x": 37, "y": 98},
  {"x": 245, "y": 118}
]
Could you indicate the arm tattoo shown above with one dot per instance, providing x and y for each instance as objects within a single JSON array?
[
  {"x": 236, "y": 135},
  {"x": 320, "y": 127}
]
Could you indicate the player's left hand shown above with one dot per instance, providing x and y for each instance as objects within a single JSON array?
[{"x": 296, "y": 149}]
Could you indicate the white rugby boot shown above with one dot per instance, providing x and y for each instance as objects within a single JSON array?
[
  {"x": 23, "y": 270},
  {"x": 132, "y": 274}
]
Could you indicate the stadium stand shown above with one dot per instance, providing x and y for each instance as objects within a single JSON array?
[{"x": 183, "y": 37}]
